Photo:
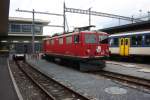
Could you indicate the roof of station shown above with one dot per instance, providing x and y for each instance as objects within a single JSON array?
[
  {"x": 29, "y": 35},
  {"x": 20, "y": 19},
  {"x": 144, "y": 25}
]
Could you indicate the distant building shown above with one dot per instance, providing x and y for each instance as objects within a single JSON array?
[
  {"x": 24, "y": 26},
  {"x": 20, "y": 34}
]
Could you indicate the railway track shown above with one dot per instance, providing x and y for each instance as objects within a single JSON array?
[
  {"x": 130, "y": 80},
  {"x": 53, "y": 89}
]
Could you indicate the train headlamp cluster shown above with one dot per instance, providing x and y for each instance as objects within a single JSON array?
[
  {"x": 98, "y": 50},
  {"x": 88, "y": 50}
]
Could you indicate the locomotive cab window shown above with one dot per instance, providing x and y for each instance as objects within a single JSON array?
[
  {"x": 76, "y": 38},
  {"x": 90, "y": 38},
  {"x": 103, "y": 39}
]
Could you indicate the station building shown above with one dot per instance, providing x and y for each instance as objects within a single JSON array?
[{"x": 19, "y": 38}]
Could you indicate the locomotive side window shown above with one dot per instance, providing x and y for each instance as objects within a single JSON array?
[
  {"x": 76, "y": 38},
  {"x": 103, "y": 39},
  {"x": 147, "y": 40},
  {"x": 69, "y": 40},
  {"x": 90, "y": 38},
  {"x": 52, "y": 41},
  {"x": 49, "y": 41},
  {"x": 136, "y": 40},
  {"x": 60, "y": 40}
]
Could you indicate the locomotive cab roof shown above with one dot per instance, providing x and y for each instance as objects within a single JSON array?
[{"x": 73, "y": 33}]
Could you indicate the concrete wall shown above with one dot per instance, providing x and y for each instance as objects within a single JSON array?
[{"x": 4, "y": 12}]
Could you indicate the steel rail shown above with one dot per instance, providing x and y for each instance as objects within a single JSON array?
[
  {"x": 36, "y": 83},
  {"x": 127, "y": 78},
  {"x": 71, "y": 90},
  {"x": 55, "y": 81}
]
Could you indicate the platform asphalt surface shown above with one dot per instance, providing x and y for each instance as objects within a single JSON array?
[
  {"x": 127, "y": 69},
  {"x": 91, "y": 85},
  {"x": 7, "y": 91}
]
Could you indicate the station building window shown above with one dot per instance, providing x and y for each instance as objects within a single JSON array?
[
  {"x": 60, "y": 40},
  {"x": 136, "y": 40},
  {"x": 38, "y": 29},
  {"x": 9, "y": 28},
  {"x": 147, "y": 40},
  {"x": 76, "y": 38},
  {"x": 68, "y": 39},
  {"x": 21, "y": 27},
  {"x": 26, "y": 28},
  {"x": 15, "y": 28}
]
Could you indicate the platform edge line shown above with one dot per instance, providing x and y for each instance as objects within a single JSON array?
[{"x": 14, "y": 82}]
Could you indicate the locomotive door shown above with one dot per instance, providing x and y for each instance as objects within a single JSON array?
[{"x": 124, "y": 44}]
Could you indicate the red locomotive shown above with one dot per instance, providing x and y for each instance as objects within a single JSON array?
[{"x": 85, "y": 48}]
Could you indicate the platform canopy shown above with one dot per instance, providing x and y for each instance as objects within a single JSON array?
[
  {"x": 139, "y": 26},
  {"x": 4, "y": 12}
]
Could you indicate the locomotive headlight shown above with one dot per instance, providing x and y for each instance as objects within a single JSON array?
[
  {"x": 98, "y": 49},
  {"x": 88, "y": 50}
]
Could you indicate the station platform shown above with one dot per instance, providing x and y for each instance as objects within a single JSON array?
[
  {"x": 132, "y": 69},
  {"x": 93, "y": 86},
  {"x": 7, "y": 90}
]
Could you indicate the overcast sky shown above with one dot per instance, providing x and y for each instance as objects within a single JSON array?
[{"x": 119, "y": 7}]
